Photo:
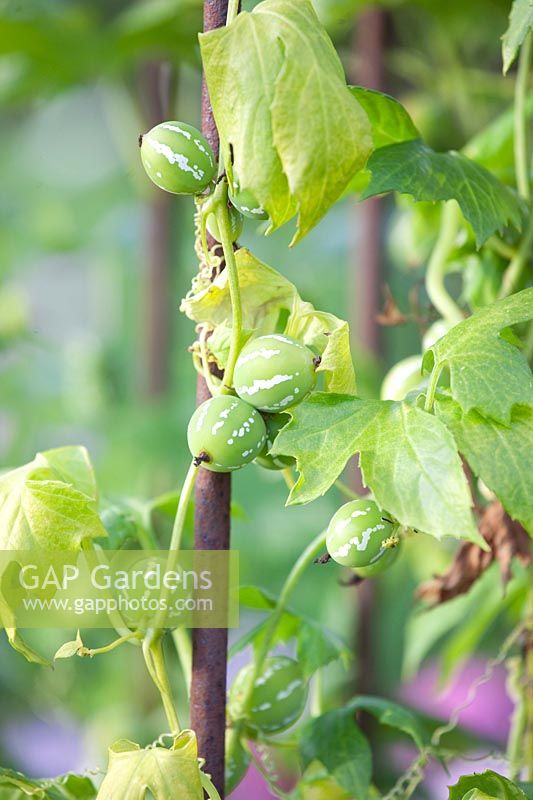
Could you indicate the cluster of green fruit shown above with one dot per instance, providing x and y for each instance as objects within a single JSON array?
[
  {"x": 179, "y": 159},
  {"x": 272, "y": 374}
]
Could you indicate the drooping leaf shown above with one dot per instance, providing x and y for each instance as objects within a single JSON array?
[
  {"x": 15, "y": 786},
  {"x": 408, "y": 459},
  {"x": 501, "y": 455},
  {"x": 279, "y": 96},
  {"x": 414, "y": 168},
  {"x": 520, "y": 23},
  {"x": 487, "y": 372},
  {"x": 336, "y": 741},
  {"x": 134, "y": 772},
  {"x": 316, "y": 648},
  {"x": 395, "y": 716},
  {"x": 18, "y": 643},
  {"x": 389, "y": 120},
  {"x": 271, "y": 304},
  {"x": 485, "y": 786},
  {"x": 50, "y": 503}
]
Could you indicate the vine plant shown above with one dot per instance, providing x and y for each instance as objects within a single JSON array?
[{"x": 459, "y": 426}]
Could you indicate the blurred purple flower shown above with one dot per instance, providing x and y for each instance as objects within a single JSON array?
[
  {"x": 423, "y": 694},
  {"x": 253, "y": 785},
  {"x": 43, "y": 748}
]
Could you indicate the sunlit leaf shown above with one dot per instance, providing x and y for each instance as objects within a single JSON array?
[
  {"x": 414, "y": 168},
  {"x": 408, "y": 459},
  {"x": 279, "y": 97},
  {"x": 487, "y": 372}
]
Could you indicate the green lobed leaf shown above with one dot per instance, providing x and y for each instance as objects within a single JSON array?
[
  {"x": 520, "y": 23},
  {"x": 395, "y": 716},
  {"x": 316, "y": 648},
  {"x": 16, "y": 786},
  {"x": 279, "y": 97},
  {"x": 389, "y": 120},
  {"x": 157, "y": 771},
  {"x": 408, "y": 459},
  {"x": 414, "y": 168},
  {"x": 50, "y": 503},
  {"x": 336, "y": 741},
  {"x": 487, "y": 373},
  {"x": 485, "y": 786},
  {"x": 271, "y": 304},
  {"x": 501, "y": 455}
]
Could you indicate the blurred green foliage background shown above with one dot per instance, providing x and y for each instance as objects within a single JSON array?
[{"x": 79, "y": 333}]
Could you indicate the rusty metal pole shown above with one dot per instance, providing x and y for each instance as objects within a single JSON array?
[
  {"x": 368, "y": 47},
  {"x": 212, "y": 532},
  {"x": 368, "y": 70},
  {"x": 157, "y": 85}
]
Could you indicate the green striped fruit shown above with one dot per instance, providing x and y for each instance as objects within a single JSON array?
[
  {"x": 177, "y": 158},
  {"x": 274, "y": 372},
  {"x": 225, "y": 433},
  {"x": 381, "y": 564},
  {"x": 273, "y": 423},
  {"x": 356, "y": 534},
  {"x": 246, "y": 203},
  {"x": 236, "y": 224},
  {"x": 278, "y": 697}
]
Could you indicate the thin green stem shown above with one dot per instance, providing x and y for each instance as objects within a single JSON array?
[
  {"x": 528, "y": 690},
  {"x": 515, "y": 741},
  {"x": 432, "y": 388},
  {"x": 233, "y": 10},
  {"x": 183, "y": 645},
  {"x": 514, "y": 271},
  {"x": 98, "y": 651},
  {"x": 443, "y": 302},
  {"x": 520, "y": 119},
  {"x": 224, "y": 224},
  {"x": 288, "y": 477},
  {"x": 317, "y": 699},
  {"x": 176, "y": 537},
  {"x": 183, "y": 504},
  {"x": 155, "y": 662},
  {"x": 501, "y": 248}
]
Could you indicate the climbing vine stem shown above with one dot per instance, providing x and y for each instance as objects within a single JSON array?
[
  {"x": 224, "y": 224},
  {"x": 520, "y": 119},
  {"x": 438, "y": 263},
  {"x": 233, "y": 10}
]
